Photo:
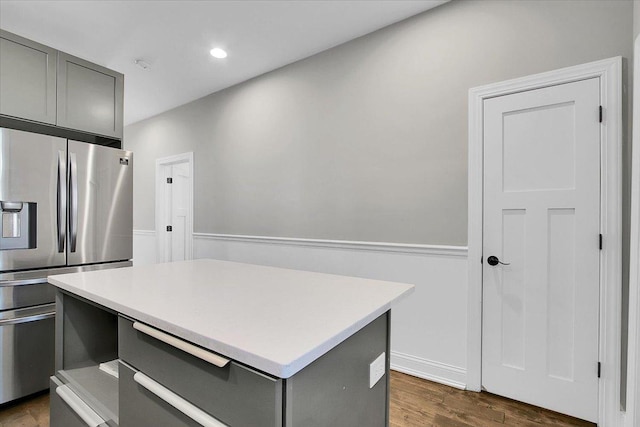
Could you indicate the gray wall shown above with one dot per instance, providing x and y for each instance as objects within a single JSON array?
[
  {"x": 636, "y": 19},
  {"x": 368, "y": 140}
]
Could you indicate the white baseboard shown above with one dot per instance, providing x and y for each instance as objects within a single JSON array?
[
  {"x": 428, "y": 328},
  {"x": 429, "y": 370}
]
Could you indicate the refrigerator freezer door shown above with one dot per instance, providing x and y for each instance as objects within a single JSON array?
[
  {"x": 100, "y": 204},
  {"x": 33, "y": 192},
  {"x": 26, "y": 360}
]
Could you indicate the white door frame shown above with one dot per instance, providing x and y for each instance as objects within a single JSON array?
[
  {"x": 610, "y": 73},
  {"x": 161, "y": 204},
  {"x": 633, "y": 360}
]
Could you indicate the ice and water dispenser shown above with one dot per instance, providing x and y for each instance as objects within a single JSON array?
[{"x": 18, "y": 225}]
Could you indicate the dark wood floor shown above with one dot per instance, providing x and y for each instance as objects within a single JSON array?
[
  {"x": 414, "y": 403},
  {"x": 29, "y": 412}
]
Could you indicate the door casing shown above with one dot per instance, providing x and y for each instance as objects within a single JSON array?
[
  {"x": 161, "y": 205},
  {"x": 609, "y": 71},
  {"x": 633, "y": 360}
]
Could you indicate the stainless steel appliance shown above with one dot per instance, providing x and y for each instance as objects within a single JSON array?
[{"x": 66, "y": 206}]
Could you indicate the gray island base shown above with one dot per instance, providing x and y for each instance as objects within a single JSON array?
[{"x": 116, "y": 365}]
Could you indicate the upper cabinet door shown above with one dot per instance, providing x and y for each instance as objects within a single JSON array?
[
  {"x": 27, "y": 79},
  {"x": 89, "y": 97}
]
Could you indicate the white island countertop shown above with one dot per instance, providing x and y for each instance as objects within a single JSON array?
[{"x": 273, "y": 319}]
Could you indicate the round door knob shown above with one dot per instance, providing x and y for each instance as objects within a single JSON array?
[{"x": 493, "y": 260}]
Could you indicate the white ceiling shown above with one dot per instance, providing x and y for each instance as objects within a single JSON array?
[{"x": 175, "y": 37}]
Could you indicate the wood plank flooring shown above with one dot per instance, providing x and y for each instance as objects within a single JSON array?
[
  {"x": 414, "y": 403},
  {"x": 27, "y": 412},
  {"x": 420, "y": 403}
]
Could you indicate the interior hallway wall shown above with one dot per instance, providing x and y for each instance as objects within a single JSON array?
[
  {"x": 636, "y": 19},
  {"x": 368, "y": 142}
]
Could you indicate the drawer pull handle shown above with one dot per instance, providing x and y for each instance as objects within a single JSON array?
[
  {"x": 198, "y": 352},
  {"x": 193, "y": 412},
  {"x": 83, "y": 410}
]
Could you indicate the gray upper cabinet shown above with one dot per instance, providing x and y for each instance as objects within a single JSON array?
[
  {"x": 89, "y": 97},
  {"x": 27, "y": 79},
  {"x": 44, "y": 85}
]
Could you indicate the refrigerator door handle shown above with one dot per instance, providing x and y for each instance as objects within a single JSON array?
[
  {"x": 27, "y": 315},
  {"x": 62, "y": 199},
  {"x": 73, "y": 211}
]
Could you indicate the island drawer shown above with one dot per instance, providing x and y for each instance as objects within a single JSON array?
[
  {"x": 234, "y": 394},
  {"x": 140, "y": 407},
  {"x": 68, "y": 410}
]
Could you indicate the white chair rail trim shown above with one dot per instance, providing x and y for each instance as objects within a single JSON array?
[
  {"x": 408, "y": 248},
  {"x": 457, "y": 251}
]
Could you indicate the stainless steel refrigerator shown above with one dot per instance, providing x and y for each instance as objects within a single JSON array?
[{"x": 66, "y": 206}]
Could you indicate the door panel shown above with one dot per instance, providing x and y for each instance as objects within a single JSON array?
[
  {"x": 175, "y": 199},
  {"x": 29, "y": 173},
  {"x": 179, "y": 210},
  {"x": 101, "y": 186},
  {"x": 561, "y": 261},
  {"x": 27, "y": 79},
  {"x": 513, "y": 321},
  {"x": 26, "y": 359},
  {"x": 533, "y": 136},
  {"x": 89, "y": 97},
  {"x": 541, "y": 217}
]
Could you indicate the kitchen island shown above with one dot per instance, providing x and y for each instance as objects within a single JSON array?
[{"x": 219, "y": 343}]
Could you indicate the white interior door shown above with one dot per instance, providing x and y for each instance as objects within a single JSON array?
[
  {"x": 541, "y": 217},
  {"x": 179, "y": 211},
  {"x": 174, "y": 207}
]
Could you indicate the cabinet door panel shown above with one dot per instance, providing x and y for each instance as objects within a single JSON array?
[
  {"x": 89, "y": 97},
  {"x": 27, "y": 79}
]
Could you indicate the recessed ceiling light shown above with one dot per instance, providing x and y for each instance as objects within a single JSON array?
[{"x": 216, "y": 52}]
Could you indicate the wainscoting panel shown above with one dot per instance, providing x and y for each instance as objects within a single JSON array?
[
  {"x": 428, "y": 327},
  {"x": 144, "y": 247}
]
